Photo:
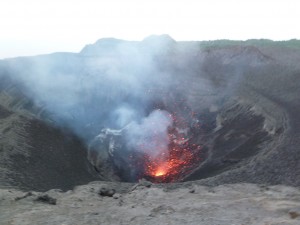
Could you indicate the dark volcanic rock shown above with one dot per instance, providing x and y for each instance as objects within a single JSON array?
[
  {"x": 109, "y": 192},
  {"x": 46, "y": 199}
]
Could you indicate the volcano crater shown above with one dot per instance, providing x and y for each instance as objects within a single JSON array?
[
  {"x": 223, "y": 114},
  {"x": 216, "y": 140}
]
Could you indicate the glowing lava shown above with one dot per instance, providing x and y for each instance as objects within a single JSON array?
[
  {"x": 182, "y": 157},
  {"x": 159, "y": 173}
]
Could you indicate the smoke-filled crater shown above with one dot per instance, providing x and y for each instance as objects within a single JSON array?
[
  {"x": 158, "y": 109},
  {"x": 164, "y": 146},
  {"x": 170, "y": 144}
]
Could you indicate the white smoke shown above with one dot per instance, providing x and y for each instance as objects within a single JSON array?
[
  {"x": 107, "y": 85},
  {"x": 150, "y": 136}
]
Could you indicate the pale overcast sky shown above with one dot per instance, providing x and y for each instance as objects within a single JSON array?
[{"x": 29, "y": 27}]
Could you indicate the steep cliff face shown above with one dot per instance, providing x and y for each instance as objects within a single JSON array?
[
  {"x": 37, "y": 156},
  {"x": 34, "y": 153}
]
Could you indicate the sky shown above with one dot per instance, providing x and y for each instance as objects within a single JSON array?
[{"x": 30, "y": 27}]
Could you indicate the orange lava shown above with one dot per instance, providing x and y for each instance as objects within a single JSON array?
[
  {"x": 159, "y": 173},
  {"x": 181, "y": 158}
]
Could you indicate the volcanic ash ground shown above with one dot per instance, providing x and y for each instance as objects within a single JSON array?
[{"x": 146, "y": 203}]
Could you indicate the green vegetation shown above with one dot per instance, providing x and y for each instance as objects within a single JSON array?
[{"x": 293, "y": 43}]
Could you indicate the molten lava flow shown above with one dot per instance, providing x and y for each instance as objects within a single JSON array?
[
  {"x": 159, "y": 173},
  {"x": 179, "y": 162},
  {"x": 183, "y": 155}
]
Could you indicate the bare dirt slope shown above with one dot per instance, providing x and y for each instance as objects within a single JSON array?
[{"x": 36, "y": 156}]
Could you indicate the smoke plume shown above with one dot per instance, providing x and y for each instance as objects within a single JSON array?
[
  {"x": 111, "y": 83},
  {"x": 150, "y": 136}
]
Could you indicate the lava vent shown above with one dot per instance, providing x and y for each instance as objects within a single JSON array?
[{"x": 164, "y": 147}]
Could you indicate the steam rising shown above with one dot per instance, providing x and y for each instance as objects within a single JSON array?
[
  {"x": 121, "y": 85},
  {"x": 109, "y": 84},
  {"x": 151, "y": 135}
]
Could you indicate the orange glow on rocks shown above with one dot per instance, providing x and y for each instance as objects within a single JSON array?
[
  {"x": 182, "y": 156},
  {"x": 159, "y": 173}
]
